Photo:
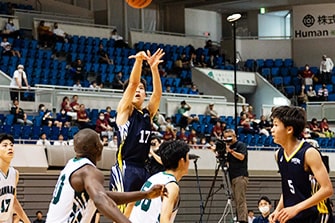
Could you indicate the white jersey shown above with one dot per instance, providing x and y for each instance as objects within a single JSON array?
[
  {"x": 67, "y": 205},
  {"x": 150, "y": 209},
  {"x": 19, "y": 75},
  {"x": 7, "y": 195}
]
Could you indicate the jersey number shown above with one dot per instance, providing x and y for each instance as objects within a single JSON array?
[
  {"x": 144, "y": 136},
  {"x": 290, "y": 185},
  {"x": 58, "y": 190},
  {"x": 145, "y": 203},
  {"x": 5, "y": 205}
]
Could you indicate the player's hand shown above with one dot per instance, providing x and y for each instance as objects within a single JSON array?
[
  {"x": 286, "y": 214},
  {"x": 158, "y": 190},
  {"x": 139, "y": 56},
  {"x": 155, "y": 59}
]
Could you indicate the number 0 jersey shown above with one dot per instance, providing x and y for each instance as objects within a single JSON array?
[
  {"x": 148, "y": 210},
  {"x": 7, "y": 195},
  {"x": 67, "y": 205}
]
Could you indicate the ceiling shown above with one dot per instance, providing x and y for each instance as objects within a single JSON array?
[{"x": 232, "y": 6}]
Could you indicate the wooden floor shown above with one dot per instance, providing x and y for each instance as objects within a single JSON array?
[{"x": 35, "y": 192}]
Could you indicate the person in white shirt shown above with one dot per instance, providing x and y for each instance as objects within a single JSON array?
[
  {"x": 43, "y": 140},
  {"x": 61, "y": 36},
  {"x": 60, "y": 141},
  {"x": 77, "y": 86},
  {"x": 16, "y": 82},
  {"x": 7, "y": 48},
  {"x": 326, "y": 67}
]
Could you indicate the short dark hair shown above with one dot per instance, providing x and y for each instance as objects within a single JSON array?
[
  {"x": 171, "y": 152},
  {"x": 291, "y": 116},
  {"x": 265, "y": 198},
  {"x": 4, "y": 136},
  {"x": 39, "y": 212},
  {"x": 143, "y": 81}
]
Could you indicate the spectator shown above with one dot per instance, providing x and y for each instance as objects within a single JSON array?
[
  {"x": 7, "y": 48},
  {"x": 45, "y": 36},
  {"x": 60, "y": 141},
  {"x": 315, "y": 129},
  {"x": 119, "y": 42},
  {"x": 244, "y": 110},
  {"x": 94, "y": 86},
  {"x": 154, "y": 163},
  {"x": 46, "y": 115},
  {"x": 326, "y": 67},
  {"x": 217, "y": 130},
  {"x": 39, "y": 217},
  {"x": 194, "y": 90},
  {"x": 251, "y": 216},
  {"x": 246, "y": 124},
  {"x": 212, "y": 113},
  {"x": 16, "y": 83},
  {"x": 102, "y": 127},
  {"x": 103, "y": 56},
  {"x": 20, "y": 117},
  {"x": 323, "y": 93},
  {"x": 61, "y": 36},
  {"x": 77, "y": 70},
  {"x": 169, "y": 134},
  {"x": 311, "y": 94},
  {"x": 264, "y": 206},
  {"x": 183, "y": 136},
  {"x": 109, "y": 118},
  {"x": 202, "y": 61},
  {"x": 66, "y": 104},
  {"x": 117, "y": 82},
  {"x": 113, "y": 142},
  {"x": 77, "y": 86},
  {"x": 168, "y": 89},
  {"x": 43, "y": 141},
  {"x": 159, "y": 122},
  {"x": 307, "y": 77},
  {"x": 83, "y": 120},
  {"x": 74, "y": 104},
  {"x": 302, "y": 97},
  {"x": 104, "y": 140},
  {"x": 193, "y": 137},
  {"x": 10, "y": 30},
  {"x": 264, "y": 126},
  {"x": 186, "y": 118},
  {"x": 324, "y": 126},
  {"x": 63, "y": 120}
]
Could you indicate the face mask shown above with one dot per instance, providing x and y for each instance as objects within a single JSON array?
[{"x": 264, "y": 209}]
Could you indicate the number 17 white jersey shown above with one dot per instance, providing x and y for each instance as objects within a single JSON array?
[
  {"x": 148, "y": 210},
  {"x": 7, "y": 195}
]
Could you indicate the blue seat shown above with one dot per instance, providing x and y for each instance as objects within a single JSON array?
[
  {"x": 265, "y": 72},
  {"x": 277, "y": 81},
  {"x": 269, "y": 63},
  {"x": 287, "y": 80},
  {"x": 275, "y": 71},
  {"x": 288, "y": 62},
  {"x": 289, "y": 91},
  {"x": 278, "y": 63},
  {"x": 36, "y": 132},
  {"x": 72, "y": 131},
  {"x": 294, "y": 71},
  {"x": 26, "y": 132},
  {"x": 7, "y": 129},
  {"x": 260, "y": 63},
  {"x": 9, "y": 119},
  {"x": 16, "y": 129}
]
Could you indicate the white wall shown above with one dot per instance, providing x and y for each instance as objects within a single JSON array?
[
  {"x": 271, "y": 25},
  {"x": 197, "y": 22}
]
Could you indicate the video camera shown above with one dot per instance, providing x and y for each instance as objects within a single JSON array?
[{"x": 220, "y": 149}]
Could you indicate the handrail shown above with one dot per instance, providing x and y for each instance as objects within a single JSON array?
[{"x": 51, "y": 13}]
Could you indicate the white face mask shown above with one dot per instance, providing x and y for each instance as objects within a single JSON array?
[{"x": 264, "y": 209}]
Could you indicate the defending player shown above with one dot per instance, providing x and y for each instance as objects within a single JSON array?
[{"x": 297, "y": 161}]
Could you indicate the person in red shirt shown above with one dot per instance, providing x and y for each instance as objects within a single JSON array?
[
  {"x": 102, "y": 127},
  {"x": 83, "y": 120},
  {"x": 182, "y": 135},
  {"x": 74, "y": 104},
  {"x": 169, "y": 134},
  {"x": 324, "y": 126},
  {"x": 307, "y": 77},
  {"x": 217, "y": 130},
  {"x": 66, "y": 104}
]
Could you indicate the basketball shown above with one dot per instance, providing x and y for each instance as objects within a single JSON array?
[{"x": 138, "y": 4}]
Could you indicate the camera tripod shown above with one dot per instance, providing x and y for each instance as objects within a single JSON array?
[{"x": 228, "y": 210}]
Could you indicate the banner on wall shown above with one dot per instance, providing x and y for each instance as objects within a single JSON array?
[{"x": 314, "y": 21}]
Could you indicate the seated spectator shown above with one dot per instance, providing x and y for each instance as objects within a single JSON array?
[
  {"x": 7, "y": 48},
  {"x": 159, "y": 122},
  {"x": 192, "y": 137},
  {"x": 10, "y": 30},
  {"x": 264, "y": 126},
  {"x": 182, "y": 135},
  {"x": 168, "y": 89},
  {"x": 46, "y": 115},
  {"x": 83, "y": 120},
  {"x": 119, "y": 42},
  {"x": 315, "y": 129},
  {"x": 324, "y": 126},
  {"x": 306, "y": 135},
  {"x": 264, "y": 206},
  {"x": 74, "y": 104},
  {"x": 102, "y": 127},
  {"x": 323, "y": 93},
  {"x": 117, "y": 82},
  {"x": 113, "y": 143},
  {"x": 311, "y": 94},
  {"x": 109, "y": 118},
  {"x": 245, "y": 123},
  {"x": 20, "y": 117},
  {"x": 63, "y": 119},
  {"x": 60, "y": 35},
  {"x": 45, "y": 36},
  {"x": 77, "y": 86},
  {"x": 217, "y": 131},
  {"x": 94, "y": 86},
  {"x": 244, "y": 110},
  {"x": 212, "y": 113},
  {"x": 194, "y": 90},
  {"x": 302, "y": 97},
  {"x": 169, "y": 134},
  {"x": 202, "y": 62},
  {"x": 186, "y": 118},
  {"x": 104, "y": 140},
  {"x": 185, "y": 61},
  {"x": 60, "y": 141},
  {"x": 43, "y": 141},
  {"x": 203, "y": 143},
  {"x": 77, "y": 71},
  {"x": 193, "y": 61},
  {"x": 66, "y": 104},
  {"x": 103, "y": 56}
]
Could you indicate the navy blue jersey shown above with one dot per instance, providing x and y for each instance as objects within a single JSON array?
[
  {"x": 134, "y": 138},
  {"x": 296, "y": 182}
]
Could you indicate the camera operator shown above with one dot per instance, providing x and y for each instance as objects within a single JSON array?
[{"x": 237, "y": 163}]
